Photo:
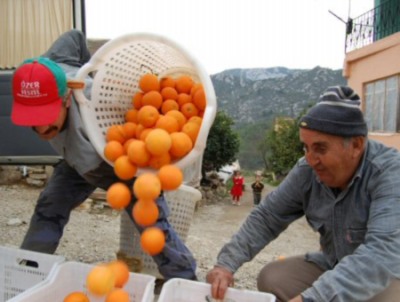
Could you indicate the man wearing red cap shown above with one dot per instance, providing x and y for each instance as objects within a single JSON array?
[{"x": 43, "y": 101}]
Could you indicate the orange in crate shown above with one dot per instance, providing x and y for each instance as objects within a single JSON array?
[{"x": 140, "y": 63}]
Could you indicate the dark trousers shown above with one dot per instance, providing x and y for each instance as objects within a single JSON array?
[
  {"x": 290, "y": 277},
  {"x": 256, "y": 197}
]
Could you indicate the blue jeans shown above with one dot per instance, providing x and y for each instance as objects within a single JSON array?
[{"x": 66, "y": 189}]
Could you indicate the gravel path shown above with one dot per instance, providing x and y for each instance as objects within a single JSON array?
[{"x": 92, "y": 234}]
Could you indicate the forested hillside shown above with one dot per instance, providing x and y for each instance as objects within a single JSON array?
[{"x": 253, "y": 98}]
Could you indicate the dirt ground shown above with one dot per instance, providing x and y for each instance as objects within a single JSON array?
[{"x": 92, "y": 235}]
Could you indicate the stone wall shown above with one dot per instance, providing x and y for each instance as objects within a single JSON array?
[{"x": 31, "y": 175}]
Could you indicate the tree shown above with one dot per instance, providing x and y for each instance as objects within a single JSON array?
[
  {"x": 284, "y": 146},
  {"x": 222, "y": 144}
]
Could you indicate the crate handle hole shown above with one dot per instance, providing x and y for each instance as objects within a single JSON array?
[{"x": 28, "y": 263}]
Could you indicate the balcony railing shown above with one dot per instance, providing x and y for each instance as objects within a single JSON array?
[{"x": 376, "y": 24}]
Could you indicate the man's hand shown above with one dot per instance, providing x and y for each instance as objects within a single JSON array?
[{"x": 220, "y": 279}]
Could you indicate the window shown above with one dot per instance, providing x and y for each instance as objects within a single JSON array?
[{"x": 382, "y": 105}]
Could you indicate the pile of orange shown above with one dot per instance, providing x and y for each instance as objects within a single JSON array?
[
  {"x": 161, "y": 128},
  {"x": 105, "y": 280}
]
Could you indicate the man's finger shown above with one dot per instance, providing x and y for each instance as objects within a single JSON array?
[{"x": 222, "y": 288}]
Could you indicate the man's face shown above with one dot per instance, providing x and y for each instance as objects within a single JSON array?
[
  {"x": 333, "y": 158},
  {"x": 50, "y": 131}
]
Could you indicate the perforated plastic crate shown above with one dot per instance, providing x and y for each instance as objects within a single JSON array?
[
  {"x": 180, "y": 290},
  {"x": 21, "y": 270},
  {"x": 117, "y": 67},
  {"x": 71, "y": 276}
]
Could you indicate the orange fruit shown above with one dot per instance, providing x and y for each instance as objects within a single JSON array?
[
  {"x": 152, "y": 98},
  {"x": 149, "y": 82},
  {"x": 181, "y": 144},
  {"x": 131, "y": 115},
  {"x": 183, "y": 84},
  {"x": 195, "y": 87},
  {"x": 169, "y": 93},
  {"x": 121, "y": 272},
  {"x": 179, "y": 117},
  {"x": 124, "y": 168},
  {"x": 100, "y": 280},
  {"x": 115, "y": 133},
  {"x": 156, "y": 162},
  {"x": 192, "y": 129},
  {"x": 168, "y": 123},
  {"x": 127, "y": 143},
  {"x": 129, "y": 129},
  {"x": 118, "y": 295},
  {"x": 138, "y": 154},
  {"x": 152, "y": 240},
  {"x": 139, "y": 129},
  {"x": 147, "y": 186},
  {"x": 137, "y": 100},
  {"x": 76, "y": 297},
  {"x": 145, "y": 212},
  {"x": 169, "y": 105},
  {"x": 167, "y": 82},
  {"x": 189, "y": 110},
  {"x": 148, "y": 116},
  {"x": 171, "y": 177},
  {"x": 183, "y": 98},
  {"x": 196, "y": 119},
  {"x": 199, "y": 99},
  {"x": 158, "y": 141},
  {"x": 144, "y": 133},
  {"x": 118, "y": 195},
  {"x": 113, "y": 150}
]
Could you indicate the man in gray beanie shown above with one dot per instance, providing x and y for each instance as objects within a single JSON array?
[{"x": 348, "y": 188}]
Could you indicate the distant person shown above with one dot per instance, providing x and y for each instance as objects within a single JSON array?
[
  {"x": 257, "y": 186},
  {"x": 43, "y": 102},
  {"x": 237, "y": 187},
  {"x": 348, "y": 189}
]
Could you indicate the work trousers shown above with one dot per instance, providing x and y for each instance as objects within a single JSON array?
[{"x": 289, "y": 277}]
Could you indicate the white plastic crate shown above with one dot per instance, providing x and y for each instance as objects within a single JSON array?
[
  {"x": 117, "y": 67},
  {"x": 181, "y": 290},
  {"x": 22, "y": 269},
  {"x": 71, "y": 276}
]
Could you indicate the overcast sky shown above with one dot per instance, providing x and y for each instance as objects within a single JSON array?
[{"x": 225, "y": 34}]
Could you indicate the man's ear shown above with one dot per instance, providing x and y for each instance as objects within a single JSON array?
[
  {"x": 68, "y": 99},
  {"x": 358, "y": 144}
]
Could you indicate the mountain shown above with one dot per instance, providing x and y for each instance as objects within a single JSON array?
[
  {"x": 251, "y": 95},
  {"x": 253, "y": 98}
]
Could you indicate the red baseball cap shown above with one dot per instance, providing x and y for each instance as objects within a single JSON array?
[{"x": 39, "y": 86}]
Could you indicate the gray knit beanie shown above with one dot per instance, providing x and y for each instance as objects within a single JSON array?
[{"x": 337, "y": 112}]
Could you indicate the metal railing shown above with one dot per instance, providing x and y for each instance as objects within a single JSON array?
[{"x": 376, "y": 24}]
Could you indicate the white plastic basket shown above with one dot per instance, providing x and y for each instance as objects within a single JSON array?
[
  {"x": 71, "y": 276},
  {"x": 181, "y": 290},
  {"x": 181, "y": 203},
  {"x": 22, "y": 269},
  {"x": 118, "y": 66}
]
